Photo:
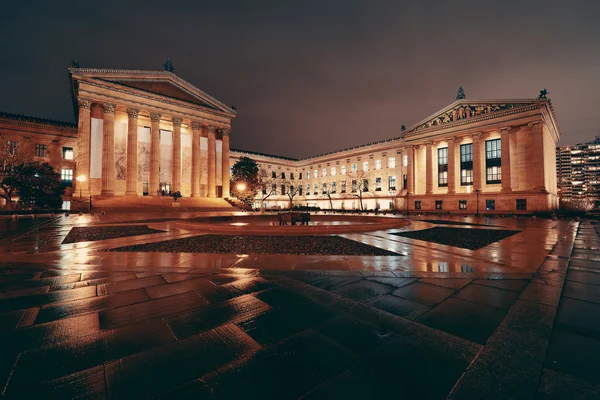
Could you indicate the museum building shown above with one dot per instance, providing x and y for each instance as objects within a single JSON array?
[{"x": 144, "y": 133}]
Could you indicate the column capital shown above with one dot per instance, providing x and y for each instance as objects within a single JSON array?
[
  {"x": 428, "y": 143},
  {"x": 84, "y": 103},
  {"x": 451, "y": 139},
  {"x": 505, "y": 129},
  {"x": 196, "y": 126},
  {"x": 211, "y": 129},
  {"x": 177, "y": 121},
  {"x": 155, "y": 117},
  {"x": 133, "y": 113},
  {"x": 226, "y": 132},
  {"x": 534, "y": 123},
  {"x": 109, "y": 108},
  {"x": 477, "y": 135}
]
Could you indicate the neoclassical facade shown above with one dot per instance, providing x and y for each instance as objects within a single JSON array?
[{"x": 494, "y": 156}]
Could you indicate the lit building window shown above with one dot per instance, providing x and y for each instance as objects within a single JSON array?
[
  {"x": 392, "y": 162},
  {"x": 67, "y": 153},
  {"x": 405, "y": 160},
  {"x": 354, "y": 168},
  {"x": 466, "y": 164},
  {"x": 391, "y": 183},
  {"x": 378, "y": 184},
  {"x": 333, "y": 187},
  {"x": 377, "y": 164},
  {"x": 365, "y": 185},
  {"x": 66, "y": 205},
  {"x": 316, "y": 189},
  {"x": 443, "y": 167},
  {"x": 343, "y": 170},
  {"x": 324, "y": 191},
  {"x": 354, "y": 186},
  {"x": 493, "y": 161},
  {"x": 308, "y": 189},
  {"x": 332, "y": 171},
  {"x": 11, "y": 146},
  {"x": 41, "y": 150},
  {"x": 438, "y": 204},
  {"x": 490, "y": 205},
  {"x": 365, "y": 166},
  {"x": 462, "y": 204},
  {"x": 316, "y": 174},
  {"x": 324, "y": 172},
  {"x": 343, "y": 189},
  {"x": 66, "y": 175}
]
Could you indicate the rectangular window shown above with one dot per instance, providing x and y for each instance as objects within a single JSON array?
[
  {"x": 273, "y": 174},
  {"x": 66, "y": 205},
  {"x": 291, "y": 175},
  {"x": 308, "y": 189},
  {"x": 493, "y": 161},
  {"x": 438, "y": 204},
  {"x": 324, "y": 172},
  {"x": 521, "y": 204},
  {"x": 343, "y": 190},
  {"x": 466, "y": 164},
  {"x": 67, "y": 153},
  {"x": 377, "y": 164},
  {"x": 332, "y": 171},
  {"x": 282, "y": 190},
  {"x": 274, "y": 189},
  {"x": 333, "y": 187},
  {"x": 443, "y": 167},
  {"x": 283, "y": 175},
  {"x": 354, "y": 168},
  {"x": 316, "y": 191},
  {"x": 66, "y": 175},
  {"x": 392, "y": 162},
  {"x": 378, "y": 184},
  {"x": 354, "y": 186},
  {"x": 264, "y": 190},
  {"x": 324, "y": 191},
  {"x": 490, "y": 205},
  {"x": 343, "y": 170},
  {"x": 404, "y": 181},
  {"x": 417, "y": 204},
  {"x": 405, "y": 160},
  {"x": 365, "y": 185},
  {"x": 391, "y": 183},
  {"x": 462, "y": 204},
  {"x": 300, "y": 176},
  {"x": 41, "y": 150},
  {"x": 315, "y": 174},
  {"x": 300, "y": 190}
]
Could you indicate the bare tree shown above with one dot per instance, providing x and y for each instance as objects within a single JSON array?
[
  {"x": 291, "y": 191},
  {"x": 12, "y": 154},
  {"x": 268, "y": 185},
  {"x": 359, "y": 185},
  {"x": 327, "y": 190}
]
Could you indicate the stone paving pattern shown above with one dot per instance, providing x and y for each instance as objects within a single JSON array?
[{"x": 76, "y": 322}]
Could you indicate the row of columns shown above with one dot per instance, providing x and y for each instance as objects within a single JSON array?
[
  {"x": 479, "y": 169},
  {"x": 108, "y": 152}
]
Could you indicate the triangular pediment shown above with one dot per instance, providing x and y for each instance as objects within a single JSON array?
[
  {"x": 162, "y": 83},
  {"x": 462, "y": 111}
]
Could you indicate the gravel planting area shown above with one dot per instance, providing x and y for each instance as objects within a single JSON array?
[
  {"x": 472, "y": 239},
  {"x": 92, "y": 233},
  {"x": 315, "y": 245}
]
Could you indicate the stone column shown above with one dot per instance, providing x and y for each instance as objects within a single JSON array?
[
  {"x": 477, "y": 165},
  {"x": 132, "y": 152},
  {"x": 154, "y": 153},
  {"x": 212, "y": 161},
  {"x": 428, "y": 168},
  {"x": 537, "y": 161},
  {"x": 451, "y": 165},
  {"x": 505, "y": 159},
  {"x": 84, "y": 128},
  {"x": 176, "y": 173},
  {"x": 108, "y": 151},
  {"x": 225, "y": 162},
  {"x": 410, "y": 170},
  {"x": 196, "y": 170}
]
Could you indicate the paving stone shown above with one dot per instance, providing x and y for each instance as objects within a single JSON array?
[
  {"x": 176, "y": 277},
  {"x": 354, "y": 333},
  {"x": 530, "y": 318},
  {"x": 221, "y": 279},
  {"x": 170, "y": 289},
  {"x": 397, "y": 282},
  {"x": 132, "y": 284},
  {"x": 472, "y": 321},
  {"x": 11, "y": 294},
  {"x": 574, "y": 354},
  {"x": 158, "y": 370},
  {"x": 251, "y": 284},
  {"x": 211, "y": 316},
  {"x": 29, "y": 317},
  {"x": 217, "y": 294},
  {"x": 399, "y": 306},
  {"x": 544, "y": 294},
  {"x": 364, "y": 290},
  {"x": 24, "y": 302},
  {"x": 448, "y": 283},
  {"x": 284, "y": 371},
  {"x": 584, "y": 277},
  {"x": 139, "y": 312},
  {"x": 424, "y": 293},
  {"x": 581, "y": 315},
  {"x": 582, "y": 291},
  {"x": 10, "y": 320},
  {"x": 564, "y": 386},
  {"x": 62, "y": 310},
  {"x": 490, "y": 296},
  {"x": 472, "y": 239},
  {"x": 509, "y": 284},
  {"x": 331, "y": 282}
]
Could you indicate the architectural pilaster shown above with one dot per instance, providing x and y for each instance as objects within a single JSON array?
[
  {"x": 132, "y": 152},
  {"x": 225, "y": 162},
  {"x": 154, "y": 154},
  {"x": 505, "y": 159},
  {"x": 212, "y": 161},
  {"x": 477, "y": 162},
  {"x": 84, "y": 128},
  {"x": 410, "y": 170},
  {"x": 108, "y": 151},
  {"x": 196, "y": 170},
  {"x": 537, "y": 163},
  {"x": 451, "y": 165},
  {"x": 428, "y": 168},
  {"x": 176, "y": 174}
]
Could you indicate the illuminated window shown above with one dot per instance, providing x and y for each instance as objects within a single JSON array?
[
  {"x": 462, "y": 204},
  {"x": 332, "y": 171},
  {"x": 405, "y": 160},
  {"x": 377, "y": 164},
  {"x": 343, "y": 170},
  {"x": 365, "y": 166},
  {"x": 308, "y": 189},
  {"x": 354, "y": 186},
  {"x": 324, "y": 172},
  {"x": 354, "y": 168},
  {"x": 391, "y": 183},
  {"x": 466, "y": 164},
  {"x": 41, "y": 150},
  {"x": 66, "y": 175},
  {"x": 378, "y": 184},
  {"x": 333, "y": 187},
  {"x": 316, "y": 174},
  {"x": 343, "y": 189},
  {"x": 392, "y": 162},
  {"x": 67, "y": 153},
  {"x": 438, "y": 204},
  {"x": 493, "y": 161},
  {"x": 443, "y": 167}
]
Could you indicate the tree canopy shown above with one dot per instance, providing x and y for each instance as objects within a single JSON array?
[{"x": 244, "y": 180}]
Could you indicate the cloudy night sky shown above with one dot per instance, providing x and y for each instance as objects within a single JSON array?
[{"x": 310, "y": 77}]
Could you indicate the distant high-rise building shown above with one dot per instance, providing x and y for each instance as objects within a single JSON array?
[{"x": 578, "y": 171}]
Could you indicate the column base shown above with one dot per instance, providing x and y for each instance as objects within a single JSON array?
[
  {"x": 212, "y": 195},
  {"x": 196, "y": 195},
  {"x": 131, "y": 193},
  {"x": 107, "y": 193}
]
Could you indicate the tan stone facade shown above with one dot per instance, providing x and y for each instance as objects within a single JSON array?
[{"x": 488, "y": 156}]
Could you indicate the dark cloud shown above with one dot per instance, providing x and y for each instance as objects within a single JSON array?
[{"x": 314, "y": 76}]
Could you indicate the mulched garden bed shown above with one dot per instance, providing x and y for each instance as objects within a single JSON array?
[
  {"x": 472, "y": 239},
  {"x": 315, "y": 245},
  {"x": 93, "y": 233}
]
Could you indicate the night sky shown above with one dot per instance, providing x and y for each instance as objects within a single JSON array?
[{"x": 309, "y": 77}]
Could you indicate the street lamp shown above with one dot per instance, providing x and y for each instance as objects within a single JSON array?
[
  {"x": 80, "y": 180},
  {"x": 477, "y": 191},
  {"x": 241, "y": 187}
]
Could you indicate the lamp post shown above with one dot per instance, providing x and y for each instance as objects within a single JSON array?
[
  {"x": 80, "y": 180},
  {"x": 477, "y": 191}
]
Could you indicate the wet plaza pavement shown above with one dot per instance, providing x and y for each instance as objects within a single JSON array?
[{"x": 517, "y": 318}]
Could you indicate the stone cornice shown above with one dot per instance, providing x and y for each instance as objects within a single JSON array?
[
  {"x": 477, "y": 135},
  {"x": 506, "y": 129},
  {"x": 533, "y": 123},
  {"x": 37, "y": 123}
]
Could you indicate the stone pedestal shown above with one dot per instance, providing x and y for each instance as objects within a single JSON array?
[
  {"x": 132, "y": 152},
  {"x": 154, "y": 154},
  {"x": 108, "y": 151},
  {"x": 212, "y": 161},
  {"x": 176, "y": 174}
]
